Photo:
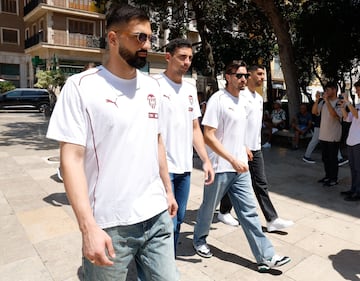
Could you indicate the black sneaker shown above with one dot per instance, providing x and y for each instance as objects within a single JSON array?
[
  {"x": 347, "y": 193},
  {"x": 331, "y": 183},
  {"x": 352, "y": 197},
  {"x": 324, "y": 180},
  {"x": 308, "y": 160},
  {"x": 342, "y": 162}
]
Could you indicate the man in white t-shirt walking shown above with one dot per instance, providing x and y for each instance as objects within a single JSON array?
[
  {"x": 225, "y": 128},
  {"x": 181, "y": 130},
  {"x": 113, "y": 159},
  {"x": 253, "y": 141}
]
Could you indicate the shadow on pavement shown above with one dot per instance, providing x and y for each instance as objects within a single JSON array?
[
  {"x": 28, "y": 133},
  {"x": 346, "y": 262},
  {"x": 288, "y": 175},
  {"x": 186, "y": 250}
]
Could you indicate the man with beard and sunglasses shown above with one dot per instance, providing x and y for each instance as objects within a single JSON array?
[
  {"x": 113, "y": 159},
  {"x": 225, "y": 126}
]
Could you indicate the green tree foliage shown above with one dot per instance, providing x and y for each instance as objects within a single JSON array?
[
  {"x": 228, "y": 30},
  {"x": 328, "y": 34},
  {"x": 279, "y": 14},
  {"x": 240, "y": 31},
  {"x": 6, "y": 86},
  {"x": 313, "y": 38},
  {"x": 50, "y": 79}
]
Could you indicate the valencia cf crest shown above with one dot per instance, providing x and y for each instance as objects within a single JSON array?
[
  {"x": 191, "y": 99},
  {"x": 152, "y": 100}
]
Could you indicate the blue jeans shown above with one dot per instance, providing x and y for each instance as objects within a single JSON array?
[
  {"x": 238, "y": 187},
  {"x": 181, "y": 188},
  {"x": 149, "y": 242}
]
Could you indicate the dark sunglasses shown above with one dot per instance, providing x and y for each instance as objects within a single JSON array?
[
  {"x": 239, "y": 75},
  {"x": 143, "y": 37}
]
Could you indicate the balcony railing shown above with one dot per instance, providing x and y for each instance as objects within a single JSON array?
[
  {"x": 84, "y": 5},
  {"x": 33, "y": 40},
  {"x": 32, "y": 5},
  {"x": 61, "y": 38}
]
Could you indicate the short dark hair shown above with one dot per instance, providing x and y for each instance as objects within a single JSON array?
[
  {"x": 177, "y": 43},
  {"x": 255, "y": 67},
  {"x": 331, "y": 84},
  {"x": 119, "y": 14},
  {"x": 357, "y": 83},
  {"x": 89, "y": 65},
  {"x": 234, "y": 65}
]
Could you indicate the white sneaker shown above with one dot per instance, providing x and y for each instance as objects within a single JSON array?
[
  {"x": 266, "y": 145},
  {"x": 227, "y": 219},
  {"x": 275, "y": 261},
  {"x": 203, "y": 250},
  {"x": 58, "y": 172},
  {"x": 274, "y": 130},
  {"x": 342, "y": 162},
  {"x": 278, "y": 224}
]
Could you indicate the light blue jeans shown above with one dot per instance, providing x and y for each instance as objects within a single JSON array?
[
  {"x": 181, "y": 188},
  {"x": 238, "y": 187},
  {"x": 149, "y": 242}
]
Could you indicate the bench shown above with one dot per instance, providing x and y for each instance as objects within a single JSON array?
[{"x": 285, "y": 137}]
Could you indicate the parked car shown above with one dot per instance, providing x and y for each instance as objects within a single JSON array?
[{"x": 27, "y": 98}]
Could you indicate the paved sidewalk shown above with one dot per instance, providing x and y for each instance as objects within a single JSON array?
[{"x": 40, "y": 241}]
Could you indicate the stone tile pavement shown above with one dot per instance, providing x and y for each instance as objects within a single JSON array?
[{"x": 40, "y": 241}]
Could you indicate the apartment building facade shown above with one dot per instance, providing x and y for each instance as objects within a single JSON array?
[
  {"x": 48, "y": 34},
  {"x": 63, "y": 34},
  {"x": 14, "y": 63}
]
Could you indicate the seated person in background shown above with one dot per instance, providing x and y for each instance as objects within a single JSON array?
[
  {"x": 301, "y": 124},
  {"x": 277, "y": 119},
  {"x": 272, "y": 123},
  {"x": 278, "y": 116}
]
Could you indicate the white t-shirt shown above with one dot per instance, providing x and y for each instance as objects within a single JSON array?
[
  {"x": 354, "y": 131},
  {"x": 180, "y": 107},
  {"x": 228, "y": 115},
  {"x": 255, "y": 117},
  {"x": 116, "y": 120},
  {"x": 330, "y": 127}
]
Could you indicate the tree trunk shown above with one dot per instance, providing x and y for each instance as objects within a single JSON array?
[
  {"x": 269, "y": 87},
  {"x": 281, "y": 29},
  {"x": 206, "y": 46}
]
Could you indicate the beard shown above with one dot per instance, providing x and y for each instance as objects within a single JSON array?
[
  {"x": 132, "y": 59},
  {"x": 242, "y": 87}
]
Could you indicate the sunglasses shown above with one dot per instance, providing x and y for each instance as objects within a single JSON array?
[
  {"x": 239, "y": 75},
  {"x": 143, "y": 37}
]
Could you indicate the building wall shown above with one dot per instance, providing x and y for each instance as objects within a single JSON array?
[
  {"x": 13, "y": 61},
  {"x": 14, "y": 23}
]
